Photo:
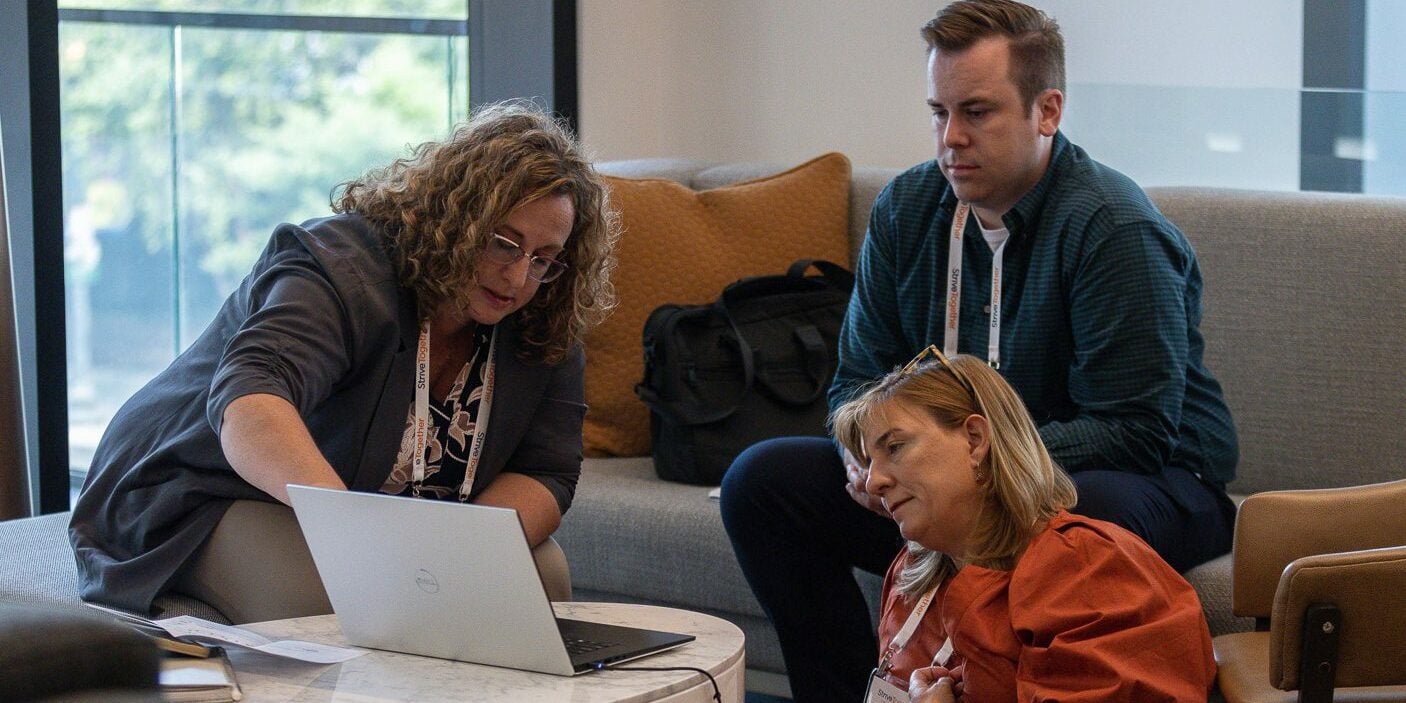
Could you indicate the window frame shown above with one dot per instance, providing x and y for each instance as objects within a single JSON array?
[{"x": 499, "y": 34}]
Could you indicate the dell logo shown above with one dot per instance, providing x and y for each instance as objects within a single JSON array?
[{"x": 426, "y": 581}]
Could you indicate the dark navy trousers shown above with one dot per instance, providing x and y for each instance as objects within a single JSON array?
[{"x": 798, "y": 535}]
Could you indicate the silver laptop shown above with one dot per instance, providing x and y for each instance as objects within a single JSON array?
[{"x": 450, "y": 580}]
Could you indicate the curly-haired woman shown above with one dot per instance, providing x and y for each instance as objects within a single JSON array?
[
  {"x": 451, "y": 291},
  {"x": 1001, "y": 593}
]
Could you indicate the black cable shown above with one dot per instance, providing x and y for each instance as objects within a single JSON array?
[{"x": 717, "y": 695}]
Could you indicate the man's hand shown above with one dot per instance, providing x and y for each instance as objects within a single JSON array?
[
  {"x": 935, "y": 684},
  {"x": 856, "y": 476}
]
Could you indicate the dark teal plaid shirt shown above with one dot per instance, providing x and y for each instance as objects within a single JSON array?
[{"x": 1101, "y": 304}]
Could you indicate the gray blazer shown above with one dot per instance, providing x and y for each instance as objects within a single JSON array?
[{"x": 322, "y": 322}]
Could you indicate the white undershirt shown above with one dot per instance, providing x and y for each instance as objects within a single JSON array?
[{"x": 994, "y": 237}]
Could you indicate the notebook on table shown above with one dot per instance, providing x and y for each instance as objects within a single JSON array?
[{"x": 450, "y": 580}]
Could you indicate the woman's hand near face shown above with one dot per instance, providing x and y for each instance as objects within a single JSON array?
[
  {"x": 935, "y": 684},
  {"x": 268, "y": 444},
  {"x": 855, "y": 478}
]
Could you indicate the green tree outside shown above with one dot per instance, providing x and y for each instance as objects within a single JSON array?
[{"x": 184, "y": 148}]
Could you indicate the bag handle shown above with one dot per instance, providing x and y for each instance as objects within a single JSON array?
[
  {"x": 681, "y": 413},
  {"x": 749, "y": 364},
  {"x": 837, "y": 275},
  {"x": 818, "y": 361}
]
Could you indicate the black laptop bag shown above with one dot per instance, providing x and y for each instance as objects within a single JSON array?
[{"x": 754, "y": 364}]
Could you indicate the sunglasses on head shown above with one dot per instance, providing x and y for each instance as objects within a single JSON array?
[{"x": 933, "y": 351}]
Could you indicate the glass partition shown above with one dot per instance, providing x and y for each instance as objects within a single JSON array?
[
  {"x": 1251, "y": 138},
  {"x": 187, "y": 138}
]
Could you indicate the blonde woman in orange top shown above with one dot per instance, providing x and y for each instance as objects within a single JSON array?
[{"x": 1001, "y": 594}]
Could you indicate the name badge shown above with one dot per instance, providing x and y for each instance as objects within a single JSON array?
[{"x": 881, "y": 691}]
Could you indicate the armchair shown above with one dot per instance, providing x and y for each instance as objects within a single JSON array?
[{"x": 1323, "y": 572}]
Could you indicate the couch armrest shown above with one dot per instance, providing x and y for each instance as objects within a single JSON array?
[
  {"x": 1275, "y": 528},
  {"x": 1369, "y": 589}
]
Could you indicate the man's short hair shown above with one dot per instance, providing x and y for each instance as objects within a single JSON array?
[{"x": 1037, "y": 47}]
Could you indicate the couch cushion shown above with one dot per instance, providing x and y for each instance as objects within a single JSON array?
[
  {"x": 632, "y": 534},
  {"x": 673, "y": 169},
  {"x": 684, "y": 246},
  {"x": 1305, "y": 326},
  {"x": 38, "y": 568},
  {"x": 1212, "y": 583},
  {"x": 864, "y": 186}
]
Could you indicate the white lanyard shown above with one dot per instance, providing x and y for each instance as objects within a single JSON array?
[
  {"x": 422, "y": 414},
  {"x": 880, "y": 690},
  {"x": 954, "y": 290},
  {"x": 905, "y": 633}
]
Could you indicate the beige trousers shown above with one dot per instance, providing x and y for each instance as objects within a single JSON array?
[{"x": 255, "y": 567}]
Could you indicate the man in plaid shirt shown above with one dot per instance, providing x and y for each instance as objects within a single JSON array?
[{"x": 1095, "y": 324}]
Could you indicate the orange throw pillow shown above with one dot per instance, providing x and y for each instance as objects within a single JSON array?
[{"x": 684, "y": 246}]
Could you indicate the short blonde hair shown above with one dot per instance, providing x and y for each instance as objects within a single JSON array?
[
  {"x": 1023, "y": 486},
  {"x": 439, "y": 206}
]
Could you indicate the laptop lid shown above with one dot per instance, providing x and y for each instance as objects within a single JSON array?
[{"x": 449, "y": 580}]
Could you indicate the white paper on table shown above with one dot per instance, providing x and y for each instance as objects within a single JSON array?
[
  {"x": 310, "y": 651},
  {"x": 189, "y": 626}
]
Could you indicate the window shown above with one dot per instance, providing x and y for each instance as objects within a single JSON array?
[
  {"x": 1275, "y": 95},
  {"x": 187, "y": 136},
  {"x": 190, "y": 128}
]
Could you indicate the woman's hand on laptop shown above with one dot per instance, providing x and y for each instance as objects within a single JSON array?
[
  {"x": 267, "y": 443},
  {"x": 535, "y": 505}
]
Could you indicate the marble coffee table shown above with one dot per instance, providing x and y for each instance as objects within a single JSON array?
[{"x": 390, "y": 676}]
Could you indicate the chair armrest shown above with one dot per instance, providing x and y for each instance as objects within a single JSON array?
[
  {"x": 1369, "y": 588},
  {"x": 1278, "y": 527}
]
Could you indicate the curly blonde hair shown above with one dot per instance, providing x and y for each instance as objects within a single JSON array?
[
  {"x": 439, "y": 206},
  {"x": 1023, "y": 486}
]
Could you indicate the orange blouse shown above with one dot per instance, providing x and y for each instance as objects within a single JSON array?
[{"x": 1090, "y": 613}]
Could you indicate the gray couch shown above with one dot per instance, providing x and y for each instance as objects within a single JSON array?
[{"x": 1305, "y": 321}]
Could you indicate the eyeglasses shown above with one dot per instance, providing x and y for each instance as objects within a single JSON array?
[
  {"x": 505, "y": 252},
  {"x": 933, "y": 351}
]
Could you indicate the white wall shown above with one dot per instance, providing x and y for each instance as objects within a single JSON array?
[
  {"x": 754, "y": 79},
  {"x": 1194, "y": 91}
]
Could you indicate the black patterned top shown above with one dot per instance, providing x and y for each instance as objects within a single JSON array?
[{"x": 452, "y": 423}]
